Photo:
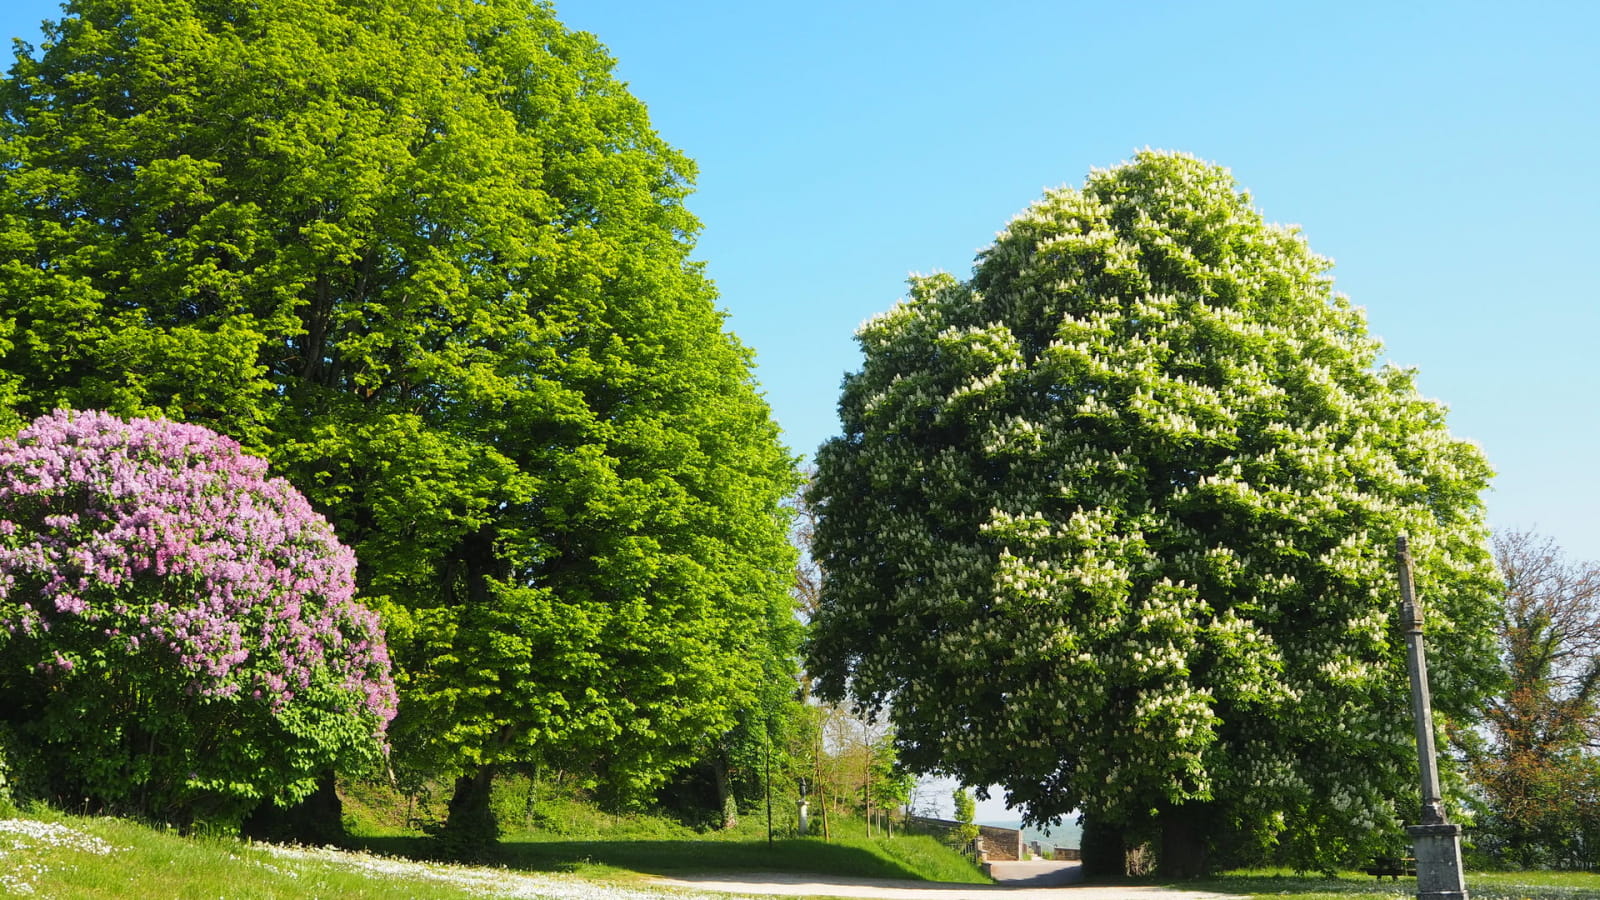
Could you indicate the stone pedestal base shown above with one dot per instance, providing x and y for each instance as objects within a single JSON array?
[{"x": 1438, "y": 850}]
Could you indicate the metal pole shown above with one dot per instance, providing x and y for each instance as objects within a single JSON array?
[
  {"x": 1437, "y": 843},
  {"x": 769, "y": 780}
]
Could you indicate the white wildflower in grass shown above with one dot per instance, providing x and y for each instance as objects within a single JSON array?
[
  {"x": 484, "y": 880},
  {"x": 23, "y": 841}
]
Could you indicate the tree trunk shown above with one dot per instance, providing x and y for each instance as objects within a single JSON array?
[
  {"x": 1104, "y": 850},
  {"x": 727, "y": 806},
  {"x": 1184, "y": 848},
  {"x": 316, "y": 820},
  {"x": 866, "y": 790},
  {"x": 470, "y": 829},
  {"x": 822, "y": 795}
]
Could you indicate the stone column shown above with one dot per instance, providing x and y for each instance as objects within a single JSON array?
[{"x": 1437, "y": 842}]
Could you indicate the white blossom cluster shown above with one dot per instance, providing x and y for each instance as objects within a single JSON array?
[{"x": 1112, "y": 522}]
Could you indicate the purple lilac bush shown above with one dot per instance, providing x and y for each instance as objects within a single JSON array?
[{"x": 181, "y": 628}]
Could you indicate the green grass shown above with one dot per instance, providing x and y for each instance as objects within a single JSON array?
[
  {"x": 44, "y": 853},
  {"x": 577, "y": 839},
  {"x": 576, "y": 836},
  {"x": 92, "y": 858},
  {"x": 1357, "y": 886},
  {"x": 556, "y": 833}
]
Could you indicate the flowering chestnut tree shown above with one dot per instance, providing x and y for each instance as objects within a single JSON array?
[
  {"x": 178, "y": 630},
  {"x": 1111, "y": 525}
]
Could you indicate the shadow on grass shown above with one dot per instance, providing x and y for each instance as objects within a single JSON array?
[
  {"x": 666, "y": 857},
  {"x": 676, "y": 857}
]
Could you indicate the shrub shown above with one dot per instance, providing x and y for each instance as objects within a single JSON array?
[{"x": 178, "y": 631}]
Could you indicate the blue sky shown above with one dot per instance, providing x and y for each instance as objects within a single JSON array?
[{"x": 1444, "y": 154}]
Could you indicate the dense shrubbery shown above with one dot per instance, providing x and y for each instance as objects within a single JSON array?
[{"x": 178, "y": 630}]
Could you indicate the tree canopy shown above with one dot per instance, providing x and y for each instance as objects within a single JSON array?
[
  {"x": 1537, "y": 770},
  {"x": 434, "y": 265},
  {"x": 1110, "y": 524}
]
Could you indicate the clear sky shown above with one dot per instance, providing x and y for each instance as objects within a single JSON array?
[{"x": 1443, "y": 154}]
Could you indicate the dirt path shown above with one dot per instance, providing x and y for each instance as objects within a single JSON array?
[{"x": 1022, "y": 883}]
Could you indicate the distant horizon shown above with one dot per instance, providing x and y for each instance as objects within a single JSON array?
[{"x": 1068, "y": 834}]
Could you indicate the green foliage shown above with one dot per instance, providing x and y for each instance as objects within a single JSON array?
[
  {"x": 22, "y": 772},
  {"x": 891, "y": 783},
  {"x": 1112, "y": 524},
  {"x": 766, "y": 747},
  {"x": 436, "y": 269},
  {"x": 966, "y": 811}
]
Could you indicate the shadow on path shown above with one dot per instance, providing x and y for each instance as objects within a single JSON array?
[{"x": 1036, "y": 873}]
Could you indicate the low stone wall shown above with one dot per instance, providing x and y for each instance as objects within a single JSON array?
[{"x": 1001, "y": 844}]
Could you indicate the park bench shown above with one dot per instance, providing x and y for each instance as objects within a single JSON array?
[{"x": 1392, "y": 866}]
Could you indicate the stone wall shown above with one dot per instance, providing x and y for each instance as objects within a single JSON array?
[
  {"x": 993, "y": 843},
  {"x": 999, "y": 843}
]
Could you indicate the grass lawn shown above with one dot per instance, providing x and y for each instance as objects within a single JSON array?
[
  {"x": 578, "y": 840},
  {"x": 48, "y": 854},
  {"x": 1356, "y": 886}
]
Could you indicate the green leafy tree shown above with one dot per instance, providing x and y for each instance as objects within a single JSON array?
[
  {"x": 966, "y": 813},
  {"x": 1538, "y": 772},
  {"x": 1111, "y": 525},
  {"x": 435, "y": 267},
  {"x": 768, "y": 748}
]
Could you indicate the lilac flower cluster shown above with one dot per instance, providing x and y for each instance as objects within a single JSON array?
[{"x": 159, "y": 537}]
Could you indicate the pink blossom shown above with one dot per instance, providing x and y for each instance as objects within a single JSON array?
[{"x": 171, "y": 538}]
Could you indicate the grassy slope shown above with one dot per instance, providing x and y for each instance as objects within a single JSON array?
[
  {"x": 121, "y": 859},
  {"x": 70, "y": 856},
  {"x": 561, "y": 835},
  {"x": 54, "y": 855},
  {"x": 48, "y": 854},
  {"x": 575, "y": 838},
  {"x": 576, "y": 844}
]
